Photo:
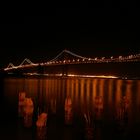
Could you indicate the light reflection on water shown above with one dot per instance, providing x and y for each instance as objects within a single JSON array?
[{"x": 94, "y": 108}]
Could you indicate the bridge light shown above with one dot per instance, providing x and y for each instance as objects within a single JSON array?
[
  {"x": 64, "y": 61},
  {"x": 96, "y": 58},
  {"x": 83, "y": 60},
  {"x": 103, "y": 58},
  {"x": 111, "y": 57},
  {"x": 68, "y": 60},
  {"x": 89, "y": 59},
  {"x": 130, "y": 56},
  {"x": 78, "y": 60},
  {"x": 73, "y": 60},
  {"x": 120, "y": 57}
]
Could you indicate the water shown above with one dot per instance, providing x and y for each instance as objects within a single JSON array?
[{"x": 77, "y": 108}]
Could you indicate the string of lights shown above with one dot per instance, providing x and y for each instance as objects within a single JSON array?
[{"x": 79, "y": 59}]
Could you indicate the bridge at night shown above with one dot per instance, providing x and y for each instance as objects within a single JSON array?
[{"x": 66, "y": 59}]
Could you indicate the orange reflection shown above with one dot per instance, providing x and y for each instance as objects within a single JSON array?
[
  {"x": 82, "y": 92},
  {"x": 53, "y": 105},
  {"x": 138, "y": 95},
  {"x": 129, "y": 92},
  {"x": 98, "y": 107},
  {"x": 21, "y": 102},
  {"x": 72, "y": 89},
  {"x": 123, "y": 108},
  {"x": 28, "y": 112},
  {"x": 110, "y": 92},
  {"x": 41, "y": 126},
  {"x": 76, "y": 90},
  {"x": 94, "y": 89},
  {"x": 88, "y": 91},
  {"x": 118, "y": 92},
  {"x": 68, "y": 110},
  {"x": 68, "y": 89}
]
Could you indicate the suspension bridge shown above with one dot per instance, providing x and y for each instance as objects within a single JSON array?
[{"x": 68, "y": 58}]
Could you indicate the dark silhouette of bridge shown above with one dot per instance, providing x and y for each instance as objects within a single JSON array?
[{"x": 67, "y": 58}]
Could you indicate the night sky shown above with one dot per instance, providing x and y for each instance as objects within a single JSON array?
[{"x": 104, "y": 31}]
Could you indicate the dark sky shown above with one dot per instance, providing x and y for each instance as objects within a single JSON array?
[{"x": 104, "y": 31}]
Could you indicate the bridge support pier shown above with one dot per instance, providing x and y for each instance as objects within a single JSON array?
[{"x": 65, "y": 70}]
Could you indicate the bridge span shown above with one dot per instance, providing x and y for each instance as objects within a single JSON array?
[{"x": 68, "y": 62}]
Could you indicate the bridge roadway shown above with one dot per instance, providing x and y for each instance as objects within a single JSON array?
[
  {"x": 126, "y": 68},
  {"x": 68, "y": 62},
  {"x": 71, "y": 62}
]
